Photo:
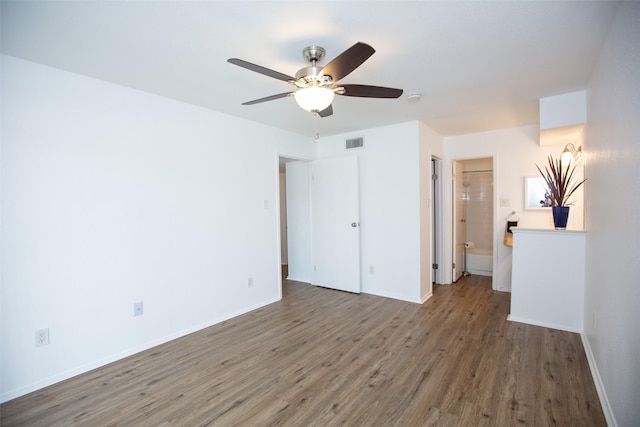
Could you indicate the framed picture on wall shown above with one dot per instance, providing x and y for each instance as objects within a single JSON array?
[{"x": 535, "y": 193}]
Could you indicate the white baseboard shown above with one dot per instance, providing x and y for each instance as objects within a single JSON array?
[
  {"x": 544, "y": 324},
  {"x": 426, "y": 297},
  {"x": 298, "y": 279},
  {"x": 602, "y": 394},
  {"x": 485, "y": 273},
  {"x": 21, "y": 391},
  {"x": 392, "y": 295}
]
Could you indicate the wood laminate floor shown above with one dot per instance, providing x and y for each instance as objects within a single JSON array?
[{"x": 321, "y": 358}]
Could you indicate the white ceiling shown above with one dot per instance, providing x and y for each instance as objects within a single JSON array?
[{"x": 478, "y": 65}]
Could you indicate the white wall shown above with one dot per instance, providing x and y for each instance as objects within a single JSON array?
[
  {"x": 559, "y": 111},
  {"x": 612, "y": 209},
  {"x": 395, "y": 209},
  {"x": 389, "y": 207},
  {"x": 555, "y": 298},
  {"x": 112, "y": 196},
  {"x": 516, "y": 152},
  {"x": 430, "y": 146}
]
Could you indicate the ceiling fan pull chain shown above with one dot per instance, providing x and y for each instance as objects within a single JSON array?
[{"x": 315, "y": 127}]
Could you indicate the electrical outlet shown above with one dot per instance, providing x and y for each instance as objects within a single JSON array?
[
  {"x": 138, "y": 309},
  {"x": 250, "y": 282},
  {"x": 372, "y": 269},
  {"x": 42, "y": 337}
]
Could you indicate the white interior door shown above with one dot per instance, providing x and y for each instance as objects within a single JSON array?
[
  {"x": 458, "y": 222},
  {"x": 335, "y": 223}
]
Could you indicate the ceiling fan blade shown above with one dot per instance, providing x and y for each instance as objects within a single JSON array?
[
  {"x": 260, "y": 69},
  {"x": 268, "y": 98},
  {"x": 365, "y": 91},
  {"x": 348, "y": 61},
  {"x": 326, "y": 112}
]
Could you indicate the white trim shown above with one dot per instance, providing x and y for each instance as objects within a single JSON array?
[
  {"x": 427, "y": 297},
  {"x": 278, "y": 208},
  {"x": 543, "y": 324},
  {"x": 299, "y": 279},
  {"x": 484, "y": 273},
  {"x": 21, "y": 391},
  {"x": 394, "y": 296},
  {"x": 437, "y": 223},
  {"x": 597, "y": 380}
]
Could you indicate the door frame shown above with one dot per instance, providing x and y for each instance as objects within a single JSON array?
[
  {"x": 496, "y": 190},
  {"x": 455, "y": 221},
  {"x": 280, "y": 157},
  {"x": 437, "y": 230}
]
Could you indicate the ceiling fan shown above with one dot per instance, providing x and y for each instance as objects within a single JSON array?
[{"x": 316, "y": 86}]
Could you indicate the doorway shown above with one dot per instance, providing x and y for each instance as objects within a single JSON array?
[
  {"x": 282, "y": 192},
  {"x": 473, "y": 217},
  {"x": 319, "y": 211},
  {"x": 295, "y": 240}
]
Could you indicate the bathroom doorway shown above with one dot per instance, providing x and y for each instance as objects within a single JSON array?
[{"x": 473, "y": 217}]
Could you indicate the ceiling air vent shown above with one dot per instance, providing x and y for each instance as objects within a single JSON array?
[{"x": 354, "y": 143}]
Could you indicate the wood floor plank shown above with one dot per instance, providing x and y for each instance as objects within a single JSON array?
[{"x": 324, "y": 357}]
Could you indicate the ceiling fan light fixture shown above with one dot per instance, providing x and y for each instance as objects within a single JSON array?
[{"x": 314, "y": 98}]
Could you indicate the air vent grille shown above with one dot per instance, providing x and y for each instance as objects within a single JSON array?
[{"x": 354, "y": 143}]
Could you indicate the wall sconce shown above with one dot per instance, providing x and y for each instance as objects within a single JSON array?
[{"x": 570, "y": 153}]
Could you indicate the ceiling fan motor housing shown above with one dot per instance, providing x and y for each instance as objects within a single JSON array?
[{"x": 310, "y": 76}]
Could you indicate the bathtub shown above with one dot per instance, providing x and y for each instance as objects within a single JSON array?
[{"x": 480, "y": 262}]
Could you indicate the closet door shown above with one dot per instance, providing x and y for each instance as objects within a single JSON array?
[{"x": 335, "y": 223}]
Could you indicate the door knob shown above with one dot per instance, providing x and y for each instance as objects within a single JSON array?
[{"x": 354, "y": 224}]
